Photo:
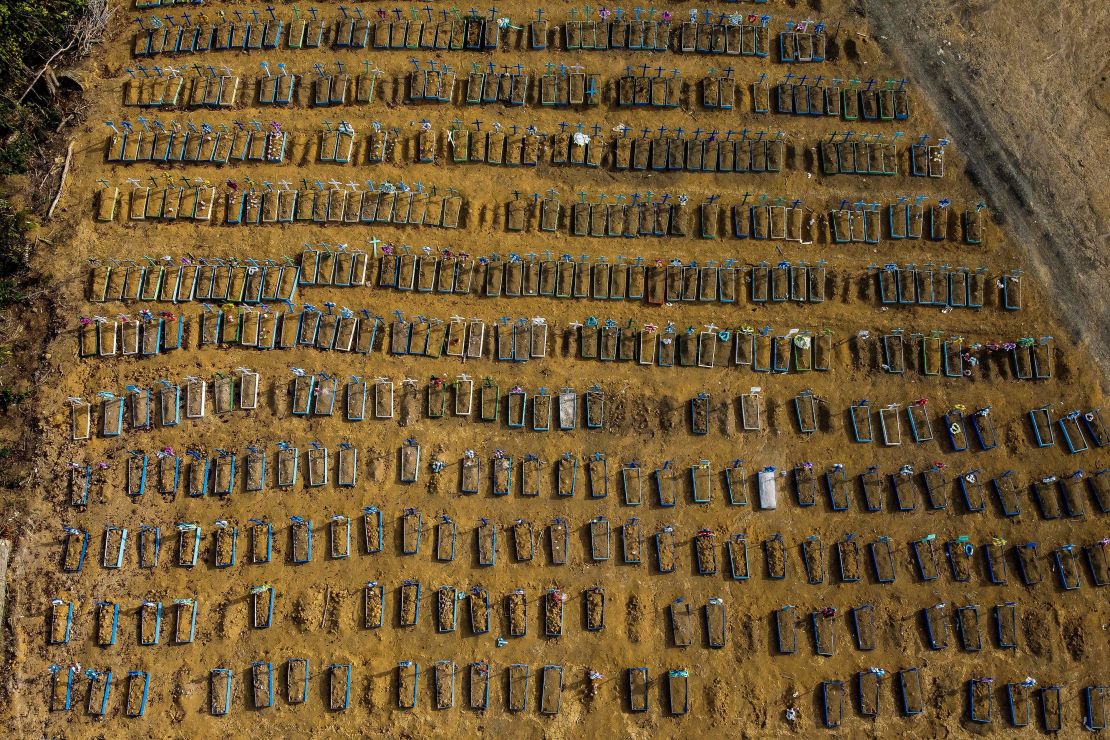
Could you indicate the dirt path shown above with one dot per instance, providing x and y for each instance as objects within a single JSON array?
[{"x": 1035, "y": 155}]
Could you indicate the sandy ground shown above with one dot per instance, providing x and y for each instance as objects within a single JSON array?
[
  {"x": 319, "y": 613},
  {"x": 1042, "y": 163}
]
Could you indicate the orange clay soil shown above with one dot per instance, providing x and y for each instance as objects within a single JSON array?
[{"x": 646, "y": 418}]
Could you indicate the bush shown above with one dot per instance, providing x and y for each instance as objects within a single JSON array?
[
  {"x": 13, "y": 226},
  {"x": 9, "y": 398},
  {"x": 30, "y": 32}
]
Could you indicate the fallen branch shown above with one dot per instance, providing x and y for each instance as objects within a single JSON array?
[
  {"x": 88, "y": 30},
  {"x": 61, "y": 181},
  {"x": 46, "y": 66}
]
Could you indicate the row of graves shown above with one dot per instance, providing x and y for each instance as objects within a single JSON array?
[
  {"x": 707, "y": 33},
  {"x": 556, "y": 85}
]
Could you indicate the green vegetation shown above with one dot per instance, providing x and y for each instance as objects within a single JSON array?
[
  {"x": 9, "y": 398},
  {"x": 30, "y": 32},
  {"x": 33, "y": 34},
  {"x": 13, "y": 226}
]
